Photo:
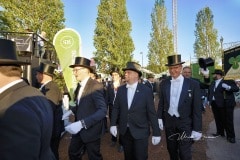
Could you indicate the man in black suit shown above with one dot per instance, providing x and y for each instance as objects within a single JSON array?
[
  {"x": 222, "y": 100},
  {"x": 51, "y": 90},
  {"x": 26, "y": 116},
  {"x": 89, "y": 112},
  {"x": 179, "y": 110},
  {"x": 111, "y": 91},
  {"x": 134, "y": 109}
]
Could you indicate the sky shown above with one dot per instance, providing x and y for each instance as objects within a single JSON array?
[{"x": 81, "y": 16}]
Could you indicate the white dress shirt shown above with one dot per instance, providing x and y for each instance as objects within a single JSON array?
[
  {"x": 10, "y": 85},
  {"x": 175, "y": 91},
  {"x": 130, "y": 92},
  {"x": 82, "y": 86}
]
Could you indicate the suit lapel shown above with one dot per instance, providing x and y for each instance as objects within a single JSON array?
[
  {"x": 184, "y": 91},
  {"x": 168, "y": 88}
]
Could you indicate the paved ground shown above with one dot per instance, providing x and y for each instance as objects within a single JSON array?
[{"x": 219, "y": 148}]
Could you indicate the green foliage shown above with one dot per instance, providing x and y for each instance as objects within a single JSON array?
[
  {"x": 234, "y": 62},
  {"x": 112, "y": 40},
  {"x": 206, "y": 44},
  {"x": 161, "y": 44},
  {"x": 32, "y": 15}
]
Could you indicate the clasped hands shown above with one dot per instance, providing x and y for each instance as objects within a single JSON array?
[
  {"x": 155, "y": 140},
  {"x": 67, "y": 114}
]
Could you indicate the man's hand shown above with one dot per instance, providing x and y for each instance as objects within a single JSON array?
[
  {"x": 67, "y": 114},
  {"x": 74, "y": 128},
  {"x": 227, "y": 87},
  {"x": 160, "y": 123},
  {"x": 113, "y": 130},
  {"x": 205, "y": 73},
  {"x": 196, "y": 135},
  {"x": 156, "y": 140}
]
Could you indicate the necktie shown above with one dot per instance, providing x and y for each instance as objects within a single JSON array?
[{"x": 130, "y": 94}]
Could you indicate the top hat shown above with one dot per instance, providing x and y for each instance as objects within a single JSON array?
[
  {"x": 150, "y": 76},
  {"x": 204, "y": 63},
  {"x": 218, "y": 71},
  {"x": 93, "y": 69},
  {"x": 174, "y": 60},
  {"x": 134, "y": 67},
  {"x": 115, "y": 69},
  {"x": 46, "y": 68},
  {"x": 82, "y": 62},
  {"x": 8, "y": 53}
]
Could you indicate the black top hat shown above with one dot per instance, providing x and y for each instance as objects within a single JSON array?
[
  {"x": 204, "y": 63},
  {"x": 134, "y": 67},
  {"x": 115, "y": 69},
  {"x": 218, "y": 71},
  {"x": 93, "y": 69},
  {"x": 150, "y": 76},
  {"x": 174, "y": 60},
  {"x": 8, "y": 53},
  {"x": 46, "y": 68},
  {"x": 82, "y": 62}
]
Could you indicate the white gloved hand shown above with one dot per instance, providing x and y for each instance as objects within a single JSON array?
[
  {"x": 67, "y": 114},
  {"x": 227, "y": 87},
  {"x": 65, "y": 102},
  {"x": 156, "y": 140},
  {"x": 204, "y": 72},
  {"x": 160, "y": 123},
  {"x": 196, "y": 135},
  {"x": 113, "y": 130},
  {"x": 74, "y": 128}
]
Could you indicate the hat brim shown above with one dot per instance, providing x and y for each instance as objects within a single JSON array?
[
  {"x": 218, "y": 73},
  {"x": 13, "y": 62},
  {"x": 78, "y": 65},
  {"x": 139, "y": 73},
  {"x": 174, "y": 64}
]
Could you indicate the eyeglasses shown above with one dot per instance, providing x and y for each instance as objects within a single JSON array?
[{"x": 76, "y": 70}]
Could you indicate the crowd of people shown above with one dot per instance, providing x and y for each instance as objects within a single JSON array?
[{"x": 32, "y": 119}]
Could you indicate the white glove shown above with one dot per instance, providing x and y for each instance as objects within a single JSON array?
[
  {"x": 160, "y": 123},
  {"x": 204, "y": 72},
  {"x": 74, "y": 128},
  {"x": 65, "y": 102},
  {"x": 227, "y": 87},
  {"x": 67, "y": 114},
  {"x": 156, "y": 140},
  {"x": 113, "y": 130},
  {"x": 196, "y": 135}
]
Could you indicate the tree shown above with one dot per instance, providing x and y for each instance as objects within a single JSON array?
[
  {"x": 112, "y": 40},
  {"x": 206, "y": 44},
  {"x": 161, "y": 43},
  {"x": 33, "y": 15}
]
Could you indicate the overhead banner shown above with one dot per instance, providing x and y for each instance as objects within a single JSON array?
[
  {"x": 67, "y": 44},
  {"x": 232, "y": 63}
]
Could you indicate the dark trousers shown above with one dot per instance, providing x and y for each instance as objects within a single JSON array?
[
  {"x": 134, "y": 149},
  {"x": 77, "y": 147},
  {"x": 229, "y": 110},
  {"x": 55, "y": 145},
  {"x": 220, "y": 118},
  {"x": 178, "y": 142}
]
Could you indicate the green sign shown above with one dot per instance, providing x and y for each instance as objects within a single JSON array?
[{"x": 67, "y": 44}]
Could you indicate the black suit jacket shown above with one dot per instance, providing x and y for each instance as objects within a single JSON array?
[
  {"x": 26, "y": 124},
  {"x": 189, "y": 106},
  {"x": 92, "y": 109},
  {"x": 54, "y": 95},
  {"x": 141, "y": 114},
  {"x": 221, "y": 95}
]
